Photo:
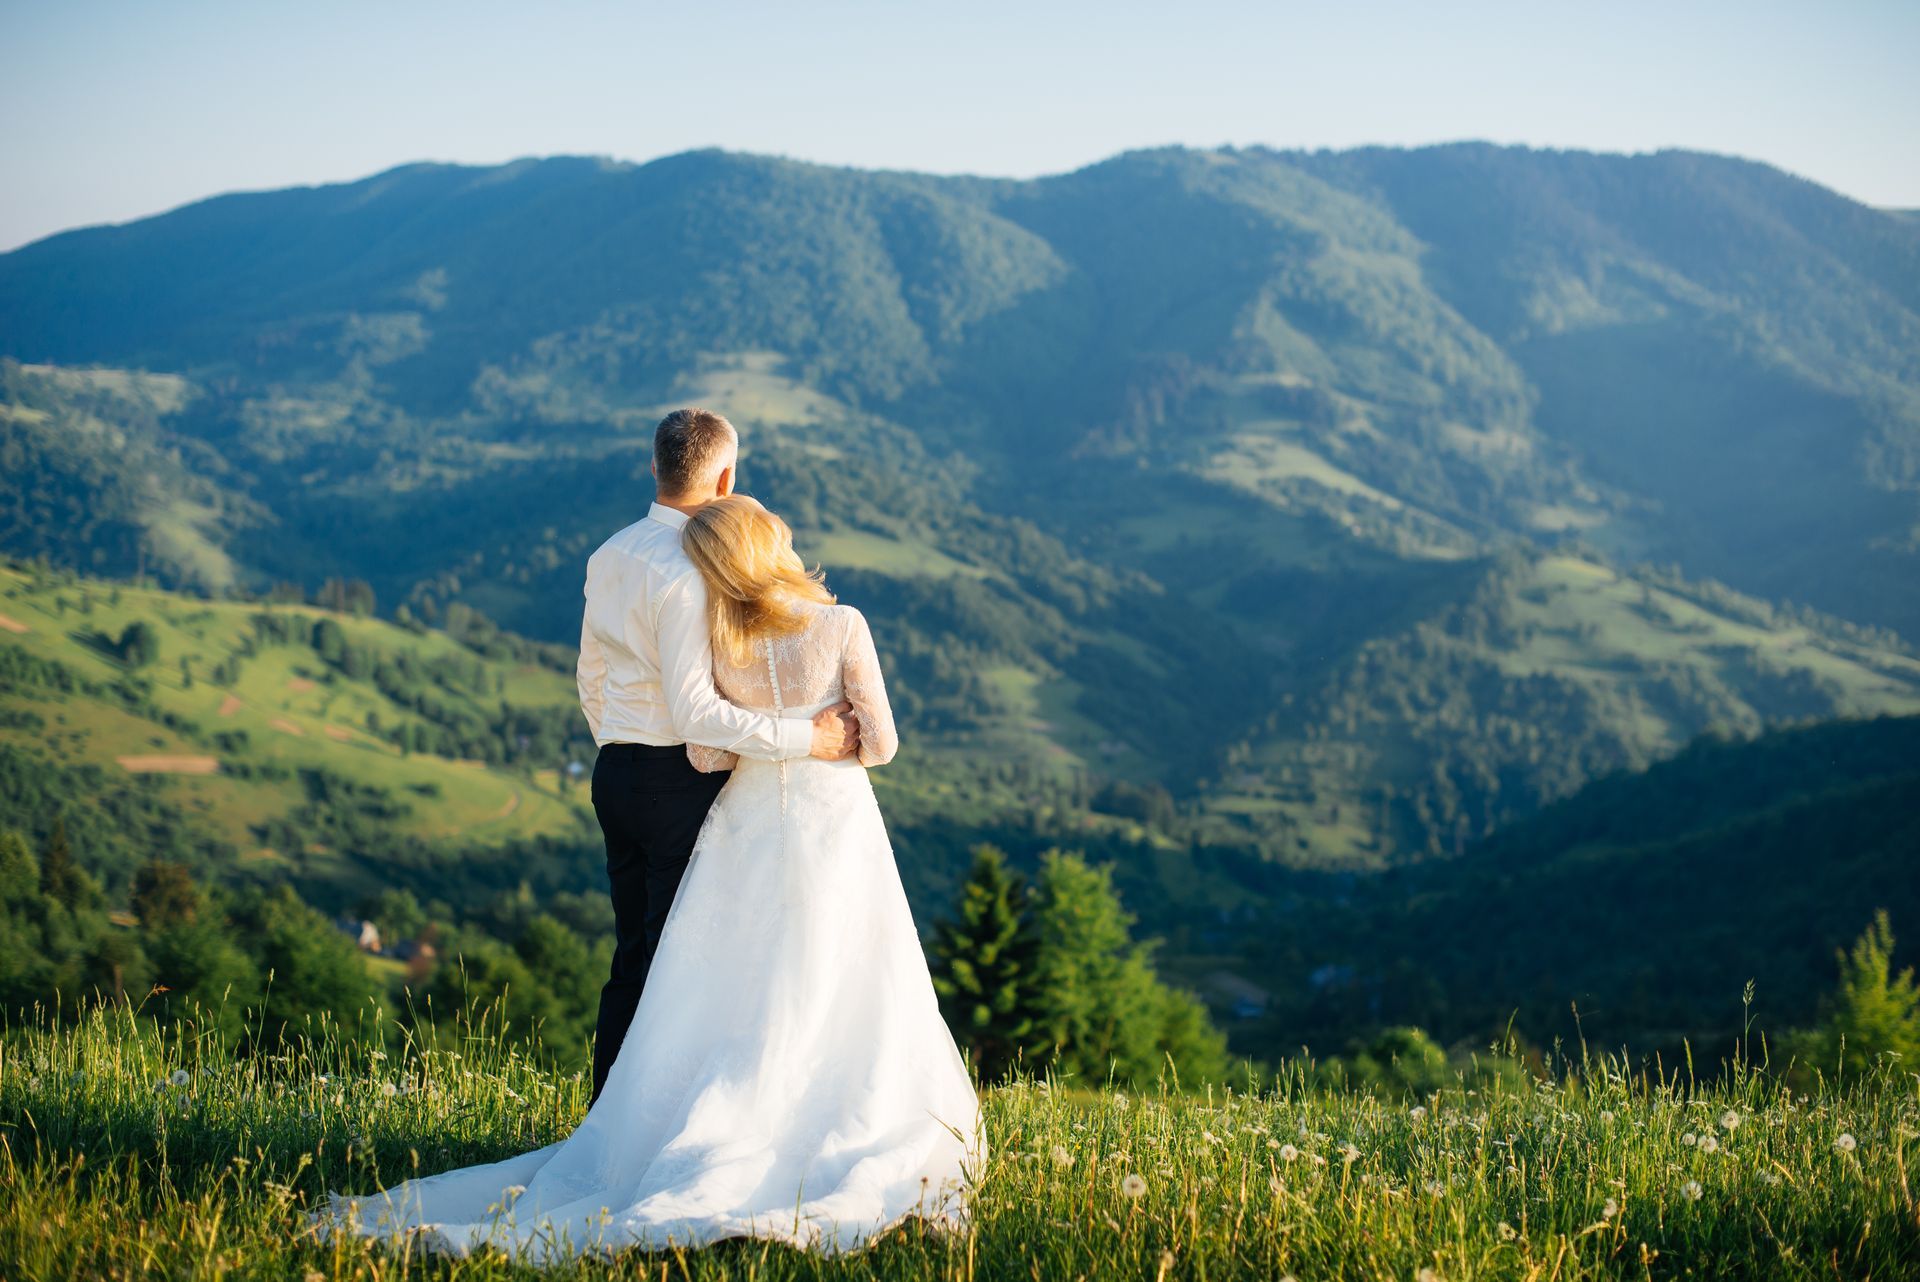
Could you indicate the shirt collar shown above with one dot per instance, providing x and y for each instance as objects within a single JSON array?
[{"x": 671, "y": 517}]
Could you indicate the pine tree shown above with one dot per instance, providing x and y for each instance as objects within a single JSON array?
[
  {"x": 60, "y": 878},
  {"x": 983, "y": 968},
  {"x": 1873, "y": 1013},
  {"x": 139, "y": 644}
]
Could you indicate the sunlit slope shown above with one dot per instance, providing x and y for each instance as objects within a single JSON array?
[
  {"x": 1553, "y": 670},
  {"x": 230, "y": 728}
]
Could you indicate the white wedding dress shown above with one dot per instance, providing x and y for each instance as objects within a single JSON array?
[{"x": 787, "y": 1074}]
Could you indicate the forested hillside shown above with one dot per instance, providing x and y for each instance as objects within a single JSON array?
[
  {"x": 1254, "y": 522},
  {"x": 1310, "y": 488}
]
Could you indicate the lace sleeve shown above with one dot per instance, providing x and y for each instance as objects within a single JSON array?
[
  {"x": 867, "y": 692},
  {"x": 711, "y": 761}
]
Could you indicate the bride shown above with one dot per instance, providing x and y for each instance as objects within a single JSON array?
[{"x": 787, "y": 1074}]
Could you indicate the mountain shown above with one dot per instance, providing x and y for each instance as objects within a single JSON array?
[
  {"x": 1647, "y": 899},
  {"x": 1337, "y": 508}
]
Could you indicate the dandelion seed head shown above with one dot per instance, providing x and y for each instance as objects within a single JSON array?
[
  {"x": 180, "y": 1077},
  {"x": 1689, "y": 1139},
  {"x": 1061, "y": 1157},
  {"x": 1845, "y": 1144},
  {"x": 1506, "y": 1232},
  {"x": 1611, "y": 1209},
  {"x": 1729, "y": 1120},
  {"x": 1288, "y": 1152},
  {"x": 1709, "y": 1144},
  {"x": 1134, "y": 1186},
  {"x": 1418, "y": 1112},
  {"x": 1691, "y": 1189}
]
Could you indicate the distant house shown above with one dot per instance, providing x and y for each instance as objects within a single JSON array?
[{"x": 365, "y": 935}]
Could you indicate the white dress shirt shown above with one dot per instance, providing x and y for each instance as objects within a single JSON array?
[{"x": 646, "y": 657}]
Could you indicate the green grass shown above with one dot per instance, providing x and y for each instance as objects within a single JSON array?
[
  {"x": 127, "y": 1151},
  {"x": 902, "y": 558},
  {"x": 296, "y": 714}
]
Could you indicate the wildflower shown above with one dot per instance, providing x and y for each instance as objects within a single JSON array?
[
  {"x": 1689, "y": 1139},
  {"x": 1062, "y": 1158},
  {"x": 1134, "y": 1186},
  {"x": 1288, "y": 1152},
  {"x": 1692, "y": 1190},
  {"x": 1418, "y": 1112},
  {"x": 1611, "y": 1209},
  {"x": 1507, "y": 1233},
  {"x": 180, "y": 1077},
  {"x": 1729, "y": 1120},
  {"x": 1845, "y": 1144},
  {"x": 1709, "y": 1144}
]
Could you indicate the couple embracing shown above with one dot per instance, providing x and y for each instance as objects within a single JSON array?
[{"x": 770, "y": 1060}]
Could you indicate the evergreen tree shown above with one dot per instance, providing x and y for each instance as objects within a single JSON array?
[
  {"x": 164, "y": 894},
  {"x": 983, "y": 968},
  {"x": 139, "y": 644},
  {"x": 61, "y": 880},
  {"x": 1101, "y": 1006},
  {"x": 1873, "y": 1013}
]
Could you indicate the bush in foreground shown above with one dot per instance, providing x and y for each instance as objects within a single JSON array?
[{"x": 129, "y": 1149}]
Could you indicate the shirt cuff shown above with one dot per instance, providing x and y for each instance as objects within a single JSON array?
[{"x": 796, "y": 738}]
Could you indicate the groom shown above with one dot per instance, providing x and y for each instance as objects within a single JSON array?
[{"x": 646, "y": 685}]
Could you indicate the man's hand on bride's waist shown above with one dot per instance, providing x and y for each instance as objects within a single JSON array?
[{"x": 836, "y": 733}]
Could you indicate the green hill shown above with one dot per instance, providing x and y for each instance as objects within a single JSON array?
[
  {"x": 1314, "y": 489},
  {"x": 1649, "y": 899},
  {"x": 280, "y": 742}
]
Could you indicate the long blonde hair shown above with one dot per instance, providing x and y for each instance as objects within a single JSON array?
[{"x": 757, "y": 584}]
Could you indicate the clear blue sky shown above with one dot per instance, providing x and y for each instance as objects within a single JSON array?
[{"x": 111, "y": 109}]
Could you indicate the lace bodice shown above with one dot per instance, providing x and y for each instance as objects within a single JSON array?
[{"x": 833, "y": 659}]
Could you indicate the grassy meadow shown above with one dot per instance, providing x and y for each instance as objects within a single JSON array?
[
  {"x": 284, "y": 709},
  {"x": 127, "y": 1150}
]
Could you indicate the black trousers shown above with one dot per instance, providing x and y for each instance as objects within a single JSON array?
[{"x": 651, "y": 803}]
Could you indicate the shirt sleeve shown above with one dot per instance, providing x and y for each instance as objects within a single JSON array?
[
  {"x": 591, "y": 675},
  {"x": 700, "y": 715},
  {"x": 867, "y": 692}
]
